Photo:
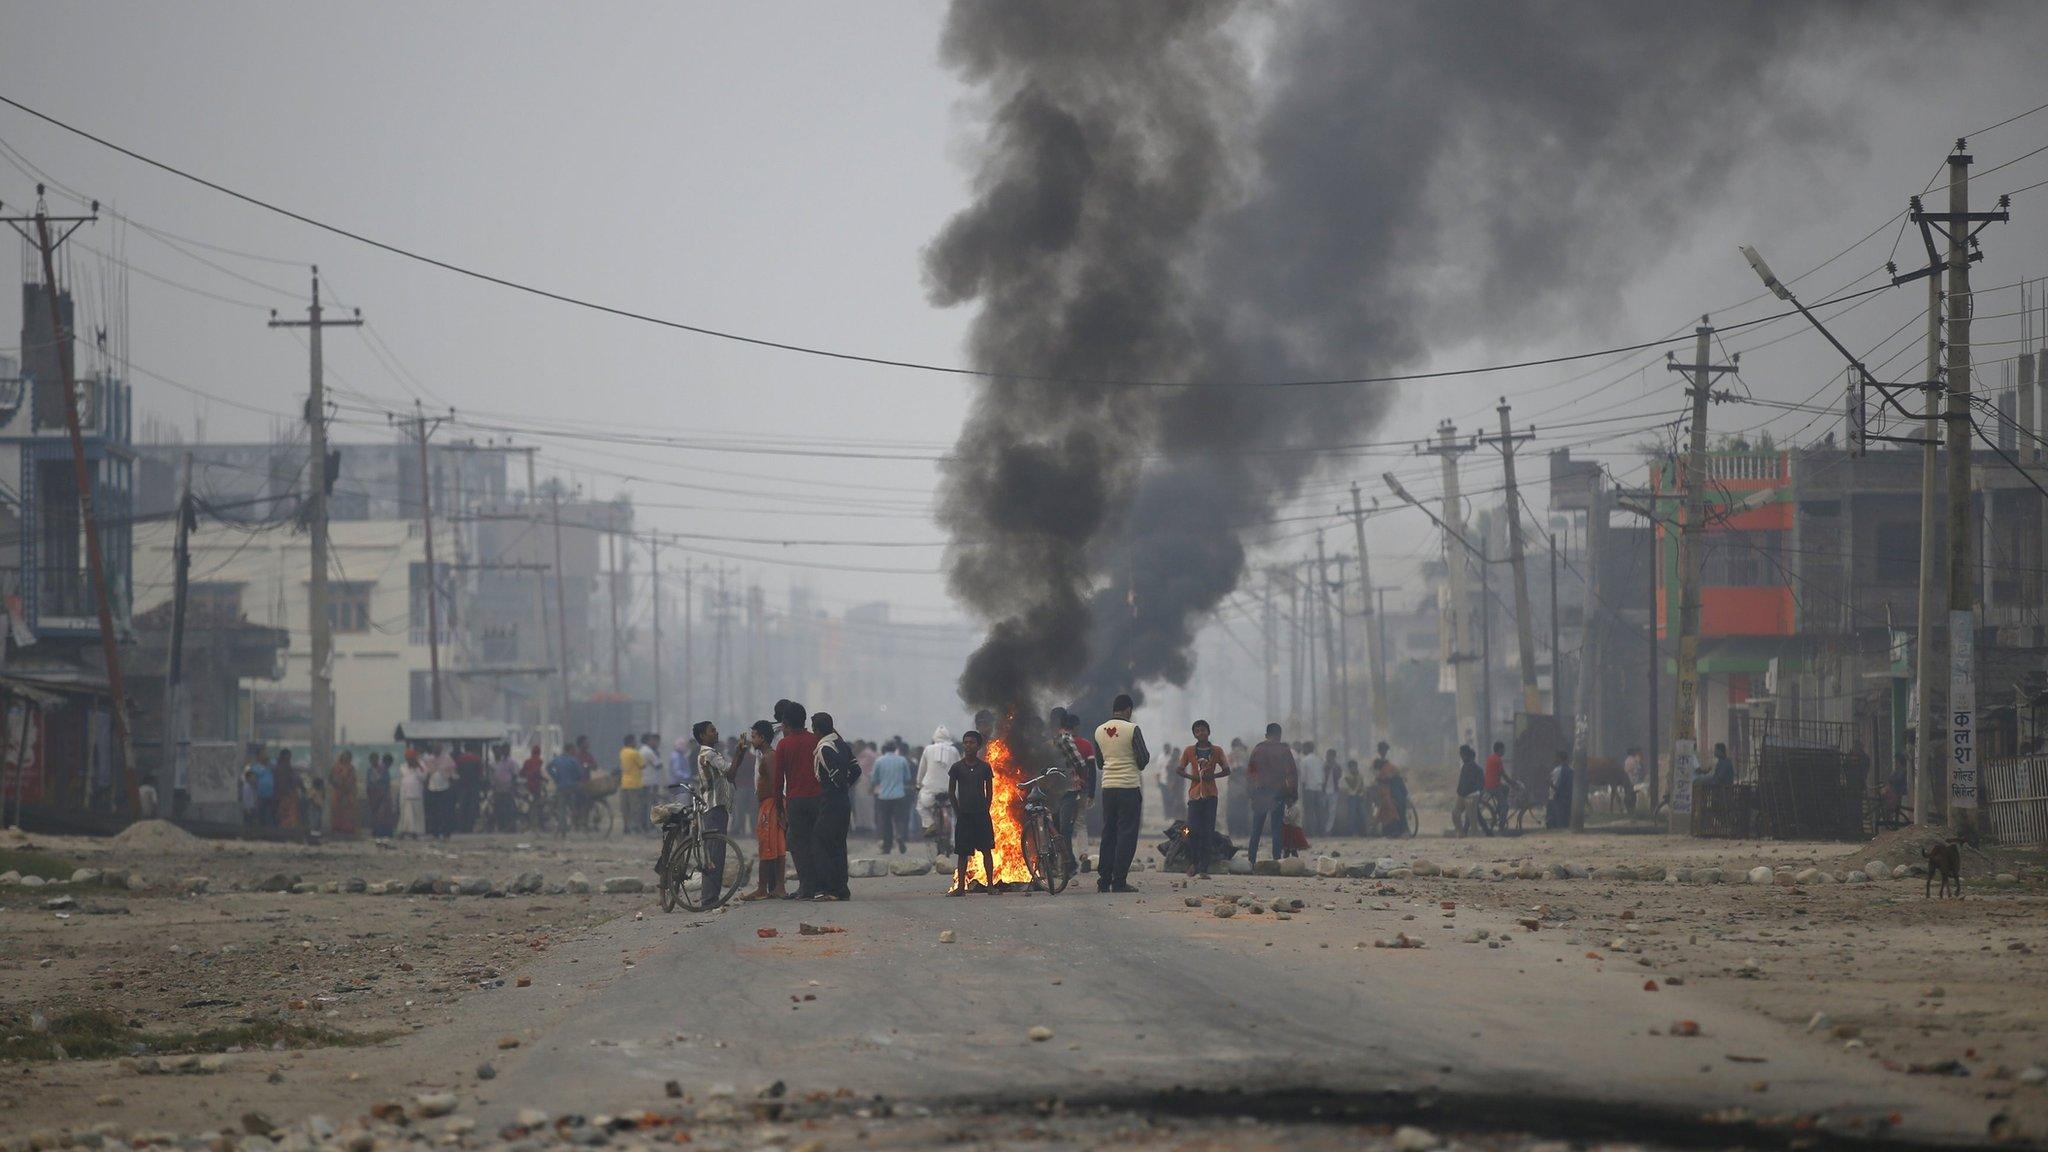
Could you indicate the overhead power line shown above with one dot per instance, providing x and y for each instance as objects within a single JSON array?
[{"x": 836, "y": 354}]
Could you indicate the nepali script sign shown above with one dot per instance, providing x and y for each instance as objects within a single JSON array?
[
  {"x": 1962, "y": 709},
  {"x": 1685, "y": 761}
]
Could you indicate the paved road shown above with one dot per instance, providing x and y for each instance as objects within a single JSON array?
[{"x": 1144, "y": 992}]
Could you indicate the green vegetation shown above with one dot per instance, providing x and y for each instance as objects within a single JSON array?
[
  {"x": 97, "y": 1034},
  {"x": 36, "y": 864}
]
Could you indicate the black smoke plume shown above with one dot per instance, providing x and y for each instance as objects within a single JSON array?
[{"x": 1400, "y": 174}]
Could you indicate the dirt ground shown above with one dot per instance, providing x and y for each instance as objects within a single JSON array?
[{"x": 231, "y": 998}]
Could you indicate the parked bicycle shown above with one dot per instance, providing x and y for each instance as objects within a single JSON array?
[
  {"x": 698, "y": 869},
  {"x": 1045, "y": 848},
  {"x": 1505, "y": 806}
]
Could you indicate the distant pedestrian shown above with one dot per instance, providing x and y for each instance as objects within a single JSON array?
[
  {"x": 891, "y": 787},
  {"x": 837, "y": 767},
  {"x": 285, "y": 791},
  {"x": 342, "y": 794},
  {"x": 412, "y": 797},
  {"x": 632, "y": 800},
  {"x": 1079, "y": 760},
  {"x": 971, "y": 783},
  {"x": 1275, "y": 781},
  {"x": 1557, "y": 813},
  {"x": 504, "y": 782},
  {"x": 1352, "y": 789},
  {"x": 469, "y": 789},
  {"x": 1201, "y": 765},
  {"x": 796, "y": 767},
  {"x": 934, "y": 768},
  {"x": 568, "y": 773},
  {"x": 770, "y": 823},
  {"x": 440, "y": 794},
  {"x": 714, "y": 775},
  {"x": 1121, "y": 757},
  {"x": 380, "y": 798},
  {"x": 1471, "y": 783}
]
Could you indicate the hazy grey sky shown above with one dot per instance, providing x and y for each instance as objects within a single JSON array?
[{"x": 774, "y": 169}]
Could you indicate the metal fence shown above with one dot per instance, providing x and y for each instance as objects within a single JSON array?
[
  {"x": 2015, "y": 800},
  {"x": 1808, "y": 784}
]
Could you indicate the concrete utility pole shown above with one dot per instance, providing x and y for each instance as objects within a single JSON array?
[
  {"x": 1926, "y": 658},
  {"x": 1320, "y": 591},
  {"x": 654, "y": 575},
  {"x": 690, "y": 649},
  {"x": 561, "y": 611},
  {"x": 1339, "y": 594},
  {"x": 611, "y": 549},
  {"x": 1463, "y": 653},
  {"x": 1525, "y": 627},
  {"x": 177, "y": 725},
  {"x": 1963, "y": 744},
  {"x": 421, "y": 427},
  {"x": 46, "y": 242},
  {"x": 1308, "y": 638},
  {"x": 540, "y": 584},
  {"x": 1692, "y": 477},
  {"x": 1556, "y": 644},
  {"x": 1375, "y": 636},
  {"x": 320, "y": 475},
  {"x": 1591, "y": 648}
]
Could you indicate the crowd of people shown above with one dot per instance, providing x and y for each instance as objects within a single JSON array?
[{"x": 801, "y": 789}]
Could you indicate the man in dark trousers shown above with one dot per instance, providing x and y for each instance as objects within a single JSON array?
[
  {"x": 795, "y": 763},
  {"x": 1275, "y": 779},
  {"x": 1120, "y": 755},
  {"x": 837, "y": 767}
]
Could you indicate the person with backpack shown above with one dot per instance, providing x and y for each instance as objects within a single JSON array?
[{"x": 837, "y": 767}]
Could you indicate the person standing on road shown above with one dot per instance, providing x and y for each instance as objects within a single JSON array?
[
  {"x": 1201, "y": 765},
  {"x": 891, "y": 787},
  {"x": 568, "y": 773},
  {"x": 971, "y": 783},
  {"x": 1471, "y": 782},
  {"x": 285, "y": 791},
  {"x": 1558, "y": 812},
  {"x": 714, "y": 788},
  {"x": 1121, "y": 756},
  {"x": 380, "y": 802},
  {"x": 342, "y": 789},
  {"x": 770, "y": 822},
  {"x": 837, "y": 767},
  {"x": 631, "y": 777},
  {"x": 412, "y": 797},
  {"x": 650, "y": 777},
  {"x": 1080, "y": 770},
  {"x": 796, "y": 766},
  {"x": 1352, "y": 789},
  {"x": 934, "y": 765},
  {"x": 1275, "y": 781}
]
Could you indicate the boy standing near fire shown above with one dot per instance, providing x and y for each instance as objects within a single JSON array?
[{"x": 1120, "y": 756}]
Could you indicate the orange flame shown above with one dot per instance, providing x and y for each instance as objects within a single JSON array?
[{"x": 1007, "y": 813}]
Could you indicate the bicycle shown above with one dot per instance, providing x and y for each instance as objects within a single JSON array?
[
  {"x": 1045, "y": 848},
  {"x": 1510, "y": 803},
  {"x": 690, "y": 855}
]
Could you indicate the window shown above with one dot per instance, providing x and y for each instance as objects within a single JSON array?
[
  {"x": 348, "y": 605},
  {"x": 1897, "y": 554},
  {"x": 1742, "y": 560}
]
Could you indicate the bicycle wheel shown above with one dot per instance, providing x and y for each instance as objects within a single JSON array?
[
  {"x": 697, "y": 886},
  {"x": 1411, "y": 821},
  {"x": 665, "y": 873},
  {"x": 597, "y": 818},
  {"x": 1049, "y": 863}
]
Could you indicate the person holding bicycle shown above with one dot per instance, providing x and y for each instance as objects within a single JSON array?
[
  {"x": 714, "y": 786},
  {"x": 1471, "y": 787},
  {"x": 566, "y": 770}
]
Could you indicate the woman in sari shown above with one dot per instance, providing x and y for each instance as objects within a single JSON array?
[
  {"x": 341, "y": 795},
  {"x": 287, "y": 792}
]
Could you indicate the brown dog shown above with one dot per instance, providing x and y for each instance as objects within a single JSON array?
[{"x": 1944, "y": 860}]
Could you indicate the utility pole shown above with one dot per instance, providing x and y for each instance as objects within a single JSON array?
[
  {"x": 1308, "y": 647},
  {"x": 722, "y": 692},
  {"x": 1269, "y": 625},
  {"x": 1448, "y": 448},
  {"x": 422, "y": 427},
  {"x": 1963, "y": 745},
  {"x": 689, "y": 649},
  {"x": 654, "y": 574},
  {"x": 1375, "y": 636},
  {"x": 1340, "y": 596},
  {"x": 1587, "y": 717},
  {"x": 1556, "y": 650},
  {"x": 1294, "y": 715},
  {"x": 177, "y": 726},
  {"x": 561, "y": 611},
  {"x": 1927, "y": 759},
  {"x": 611, "y": 551},
  {"x": 1525, "y": 631},
  {"x": 1692, "y": 470},
  {"x": 46, "y": 242},
  {"x": 1320, "y": 590},
  {"x": 321, "y": 474},
  {"x": 540, "y": 586}
]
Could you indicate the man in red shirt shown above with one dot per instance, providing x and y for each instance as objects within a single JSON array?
[
  {"x": 1275, "y": 780},
  {"x": 802, "y": 796},
  {"x": 1496, "y": 767}
]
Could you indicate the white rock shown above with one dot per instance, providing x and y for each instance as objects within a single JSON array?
[
  {"x": 1293, "y": 866},
  {"x": 530, "y": 1117},
  {"x": 1409, "y": 1138},
  {"x": 1039, "y": 1033},
  {"x": 1902, "y": 871},
  {"x": 1761, "y": 875},
  {"x": 1876, "y": 868},
  {"x": 1859, "y": 877},
  {"x": 2005, "y": 878},
  {"x": 2034, "y": 1074},
  {"x": 1806, "y": 876},
  {"x": 863, "y": 868},
  {"x": 578, "y": 883},
  {"x": 1239, "y": 866},
  {"x": 1426, "y": 868},
  {"x": 1821, "y": 1022},
  {"x": 1329, "y": 866},
  {"x": 946, "y": 936},
  {"x": 624, "y": 884},
  {"x": 431, "y": 1104}
]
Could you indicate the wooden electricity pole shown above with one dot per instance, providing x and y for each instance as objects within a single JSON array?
[
  {"x": 561, "y": 611},
  {"x": 1463, "y": 651},
  {"x": 1376, "y": 671},
  {"x": 177, "y": 728},
  {"x": 421, "y": 426},
  {"x": 1692, "y": 471}
]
